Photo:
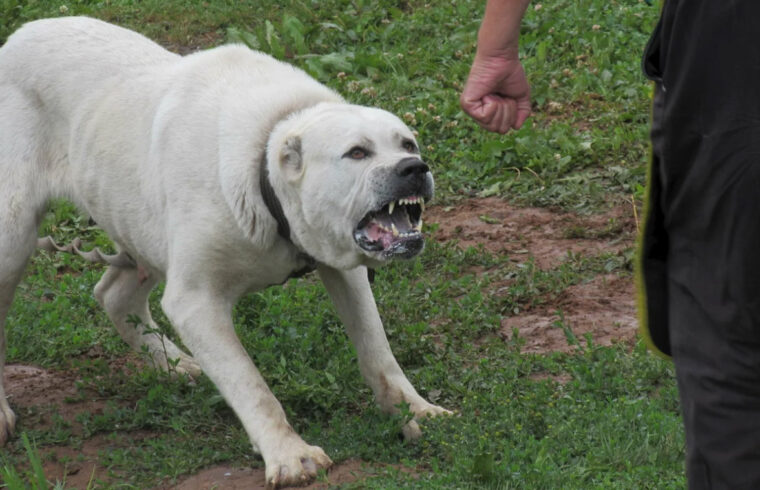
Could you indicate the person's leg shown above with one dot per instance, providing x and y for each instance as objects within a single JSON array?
[
  {"x": 711, "y": 205},
  {"x": 715, "y": 337}
]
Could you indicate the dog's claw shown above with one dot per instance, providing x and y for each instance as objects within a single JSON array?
[{"x": 299, "y": 470}]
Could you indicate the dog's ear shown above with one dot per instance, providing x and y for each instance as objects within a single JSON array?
[{"x": 290, "y": 156}]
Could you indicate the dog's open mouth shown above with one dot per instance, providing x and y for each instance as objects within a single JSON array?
[{"x": 394, "y": 229}]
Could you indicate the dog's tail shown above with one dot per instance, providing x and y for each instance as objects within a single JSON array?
[{"x": 96, "y": 256}]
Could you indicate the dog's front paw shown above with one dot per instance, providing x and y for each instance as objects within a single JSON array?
[
  {"x": 412, "y": 430},
  {"x": 297, "y": 464}
]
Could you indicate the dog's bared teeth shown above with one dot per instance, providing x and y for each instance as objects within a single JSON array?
[
  {"x": 391, "y": 206},
  {"x": 394, "y": 229},
  {"x": 418, "y": 226},
  {"x": 422, "y": 205}
]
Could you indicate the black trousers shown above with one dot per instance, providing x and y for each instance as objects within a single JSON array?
[{"x": 699, "y": 262}]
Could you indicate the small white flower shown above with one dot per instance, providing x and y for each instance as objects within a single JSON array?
[{"x": 371, "y": 91}]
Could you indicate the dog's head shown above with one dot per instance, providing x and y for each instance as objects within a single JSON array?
[{"x": 352, "y": 184}]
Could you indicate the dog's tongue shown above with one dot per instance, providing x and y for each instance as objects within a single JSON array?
[{"x": 377, "y": 233}]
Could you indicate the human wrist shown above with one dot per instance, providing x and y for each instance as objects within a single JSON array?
[{"x": 490, "y": 52}]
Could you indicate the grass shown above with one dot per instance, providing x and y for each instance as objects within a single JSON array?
[{"x": 599, "y": 417}]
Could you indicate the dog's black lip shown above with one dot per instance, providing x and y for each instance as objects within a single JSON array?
[
  {"x": 368, "y": 245},
  {"x": 406, "y": 247}
]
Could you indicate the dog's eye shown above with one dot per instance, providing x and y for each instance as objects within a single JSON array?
[
  {"x": 409, "y": 146},
  {"x": 357, "y": 153}
]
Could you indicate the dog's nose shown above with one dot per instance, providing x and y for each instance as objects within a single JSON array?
[{"x": 411, "y": 166}]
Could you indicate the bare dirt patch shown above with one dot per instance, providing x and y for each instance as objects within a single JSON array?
[
  {"x": 43, "y": 398},
  {"x": 32, "y": 386},
  {"x": 603, "y": 308},
  {"x": 521, "y": 233}
]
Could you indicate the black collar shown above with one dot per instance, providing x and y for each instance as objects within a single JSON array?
[{"x": 283, "y": 227}]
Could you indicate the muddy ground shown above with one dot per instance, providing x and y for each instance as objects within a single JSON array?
[{"x": 603, "y": 308}]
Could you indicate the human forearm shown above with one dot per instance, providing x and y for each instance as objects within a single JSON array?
[{"x": 500, "y": 30}]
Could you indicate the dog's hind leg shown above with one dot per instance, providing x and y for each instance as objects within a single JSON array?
[
  {"x": 23, "y": 195},
  {"x": 18, "y": 237},
  {"x": 123, "y": 292},
  {"x": 17, "y": 241}
]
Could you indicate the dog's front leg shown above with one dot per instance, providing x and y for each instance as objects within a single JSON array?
[
  {"x": 204, "y": 322},
  {"x": 352, "y": 295}
]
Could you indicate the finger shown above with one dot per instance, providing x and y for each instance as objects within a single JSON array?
[
  {"x": 503, "y": 112},
  {"x": 523, "y": 112},
  {"x": 494, "y": 113},
  {"x": 483, "y": 113}
]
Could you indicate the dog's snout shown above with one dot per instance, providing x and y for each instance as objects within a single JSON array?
[{"x": 411, "y": 166}]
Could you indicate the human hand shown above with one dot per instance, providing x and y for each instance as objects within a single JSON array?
[{"x": 497, "y": 94}]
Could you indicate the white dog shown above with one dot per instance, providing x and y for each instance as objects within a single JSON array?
[{"x": 221, "y": 173}]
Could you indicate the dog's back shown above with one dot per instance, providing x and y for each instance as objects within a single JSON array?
[{"x": 56, "y": 58}]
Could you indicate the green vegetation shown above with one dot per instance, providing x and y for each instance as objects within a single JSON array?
[{"x": 599, "y": 417}]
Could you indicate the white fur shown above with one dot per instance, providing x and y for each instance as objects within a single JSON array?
[{"x": 163, "y": 152}]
